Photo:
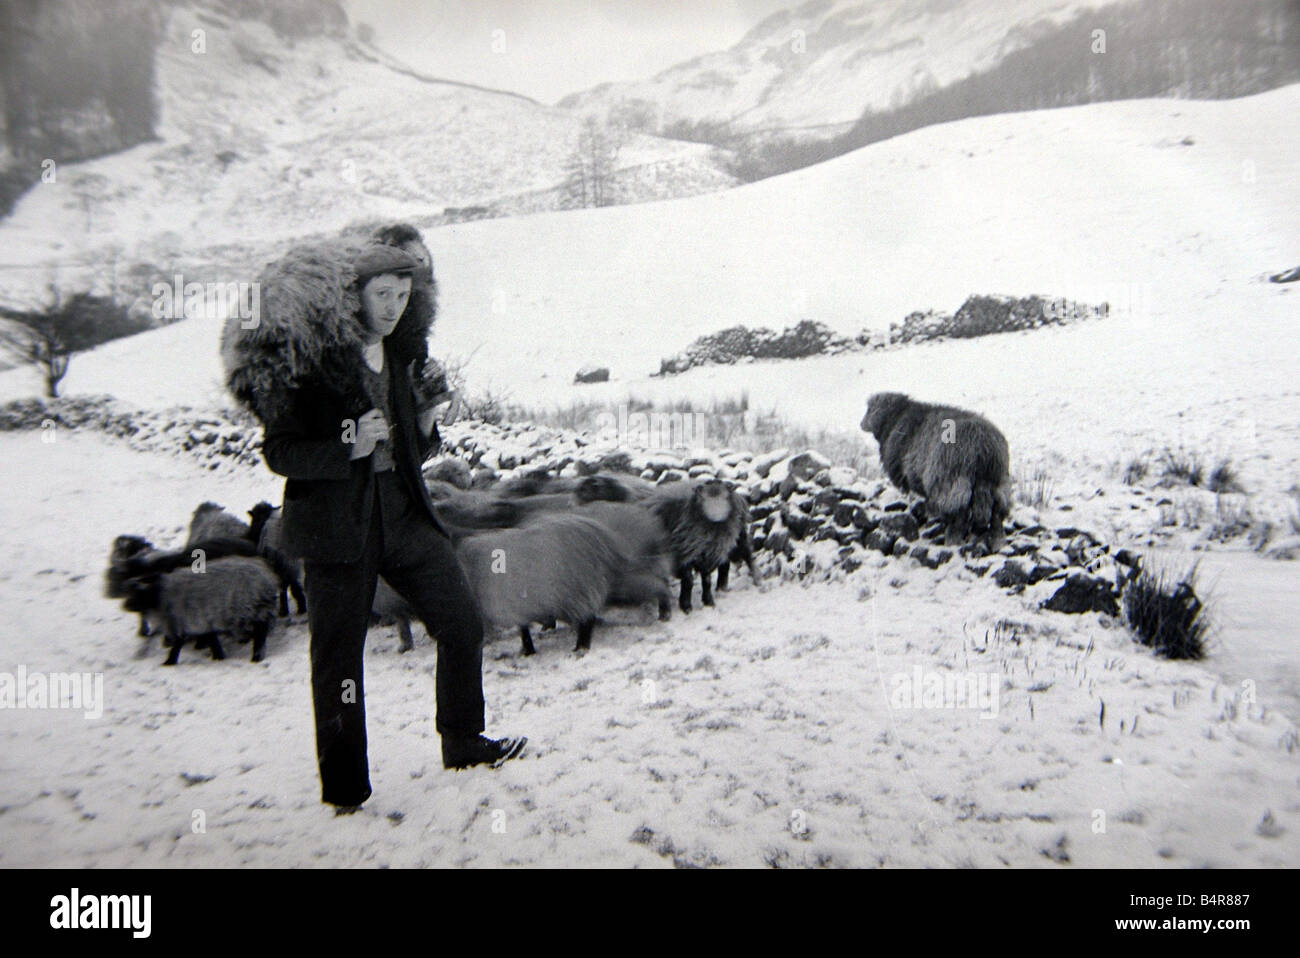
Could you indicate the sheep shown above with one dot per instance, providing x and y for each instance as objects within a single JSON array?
[
  {"x": 557, "y": 566},
  {"x": 234, "y": 594},
  {"x": 132, "y": 557},
  {"x": 743, "y": 550},
  {"x": 703, "y": 521},
  {"x": 266, "y": 529},
  {"x": 646, "y": 571},
  {"x": 211, "y": 520},
  {"x": 125, "y": 548},
  {"x": 957, "y": 459},
  {"x": 609, "y": 488},
  {"x": 388, "y": 604}
]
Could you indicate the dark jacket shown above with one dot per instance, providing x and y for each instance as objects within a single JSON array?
[
  {"x": 298, "y": 369},
  {"x": 327, "y": 496}
]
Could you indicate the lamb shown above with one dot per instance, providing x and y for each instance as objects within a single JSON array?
[
  {"x": 955, "y": 458},
  {"x": 211, "y": 520},
  {"x": 265, "y": 529},
  {"x": 559, "y": 566},
  {"x": 115, "y": 576},
  {"x": 389, "y": 604},
  {"x": 235, "y": 594},
  {"x": 265, "y": 526},
  {"x": 703, "y": 521}
]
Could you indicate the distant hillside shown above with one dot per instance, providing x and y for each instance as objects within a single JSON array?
[
  {"x": 810, "y": 71},
  {"x": 1010, "y": 57},
  {"x": 273, "y": 121}
]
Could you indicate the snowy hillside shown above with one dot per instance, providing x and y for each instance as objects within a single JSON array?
[
  {"x": 1171, "y": 211},
  {"x": 815, "y": 68},
  {"x": 263, "y": 139}
]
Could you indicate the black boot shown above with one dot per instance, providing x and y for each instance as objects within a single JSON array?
[{"x": 462, "y": 752}]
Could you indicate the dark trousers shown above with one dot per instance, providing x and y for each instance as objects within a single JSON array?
[{"x": 420, "y": 564}]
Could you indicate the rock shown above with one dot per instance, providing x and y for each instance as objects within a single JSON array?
[
  {"x": 807, "y": 464},
  {"x": 649, "y": 475},
  {"x": 898, "y": 505},
  {"x": 901, "y": 548},
  {"x": 902, "y": 525},
  {"x": 797, "y": 522},
  {"x": 880, "y": 540},
  {"x": 917, "y": 510},
  {"x": 1128, "y": 558},
  {"x": 843, "y": 513},
  {"x": 849, "y": 492},
  {"x": 941, "y": 556},
  {"x": 826, "y": 501},
  {"x": 979, "y": 568},
  {"x": 764, "y": 463},
  {"x": 700, "y": 472},
  {"x": 699, "y": 457},
  {"x": 592, "y": 374},
  {"x": 935, "y": 531},
  {"x": 452, "y": 470},
  {"x": 1083, "y": 593},
  {"x": 1284, "y": 549},
  {"x": 671, "y": 475},
  {"x": 1012, "y": 573},
  {"x": 616, "y": 462},
  {"x": 842, "y": 476},
  {"x": 823, "y": 477},
  {"x": 778, "y": 540},
  {"x": 1041, "y": 571}
]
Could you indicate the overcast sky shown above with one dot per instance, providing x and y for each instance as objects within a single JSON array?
[{"x": 553, "y": 47}]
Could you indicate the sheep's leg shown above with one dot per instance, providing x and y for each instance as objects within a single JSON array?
[
  {"x": 666, "y": 605},
  {"x": 584, "y": 635},
  {"x": 284, "y": 601},
  {"x": 724, "y": 575},
  {"x": 214, "y": 643},
  {"x": 404, "y": 629},
  {"x": 548, "y": 624},
  {"x": 144, "y": 631},
  {"x": 259, "y": 641},
  {"x": 527, "y": 639},
  {"x": 688, "y": 583},
  {"x": 299, "y": 597},
  {"x": 706, "y": 586},
  {"x": 174, "y": 655}
]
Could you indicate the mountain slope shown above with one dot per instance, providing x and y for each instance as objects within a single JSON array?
[
  {"x": 265, "y": 137},
  {"x": 814, "y": 69},
  {"x": 1169, "y": 210}
]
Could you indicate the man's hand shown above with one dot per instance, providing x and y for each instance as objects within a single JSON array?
[{"x": 372, "y": 429}]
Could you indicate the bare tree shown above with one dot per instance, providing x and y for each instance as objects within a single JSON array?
[
  {"x": 592, "y": 163},
  {"x": 48, "y": 337}
]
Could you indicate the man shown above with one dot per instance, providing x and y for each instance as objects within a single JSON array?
[{"x": 349, "y": 437}]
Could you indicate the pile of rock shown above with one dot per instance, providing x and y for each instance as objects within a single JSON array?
[
  {"x": 827, "y": 520},
  {"x": 216, "y": 439}
]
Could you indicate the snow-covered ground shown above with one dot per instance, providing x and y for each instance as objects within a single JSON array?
[
  {"x": 760, "y": 732},
  {"x": 757, "y": 733}
]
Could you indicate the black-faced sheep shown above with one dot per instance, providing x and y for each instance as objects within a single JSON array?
[
  {"x": 955, "y": 458},
  {"x": 211, "y": 521},
  {"x": 266, "y": 529},
  {"x": 703, "y": 521},
  {"x": 235, "y": 595},
  {"x": 560, "y": 566},
  {"x": 115, "y": 576},
  {"x": 132, "y": 557}
]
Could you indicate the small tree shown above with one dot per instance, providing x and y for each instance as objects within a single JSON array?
[
  {"x": 47, "y": 338},
  {"x": 592, "y": 163}
]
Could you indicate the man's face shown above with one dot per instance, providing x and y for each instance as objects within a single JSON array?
[{"x": 383, "y": 299}]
